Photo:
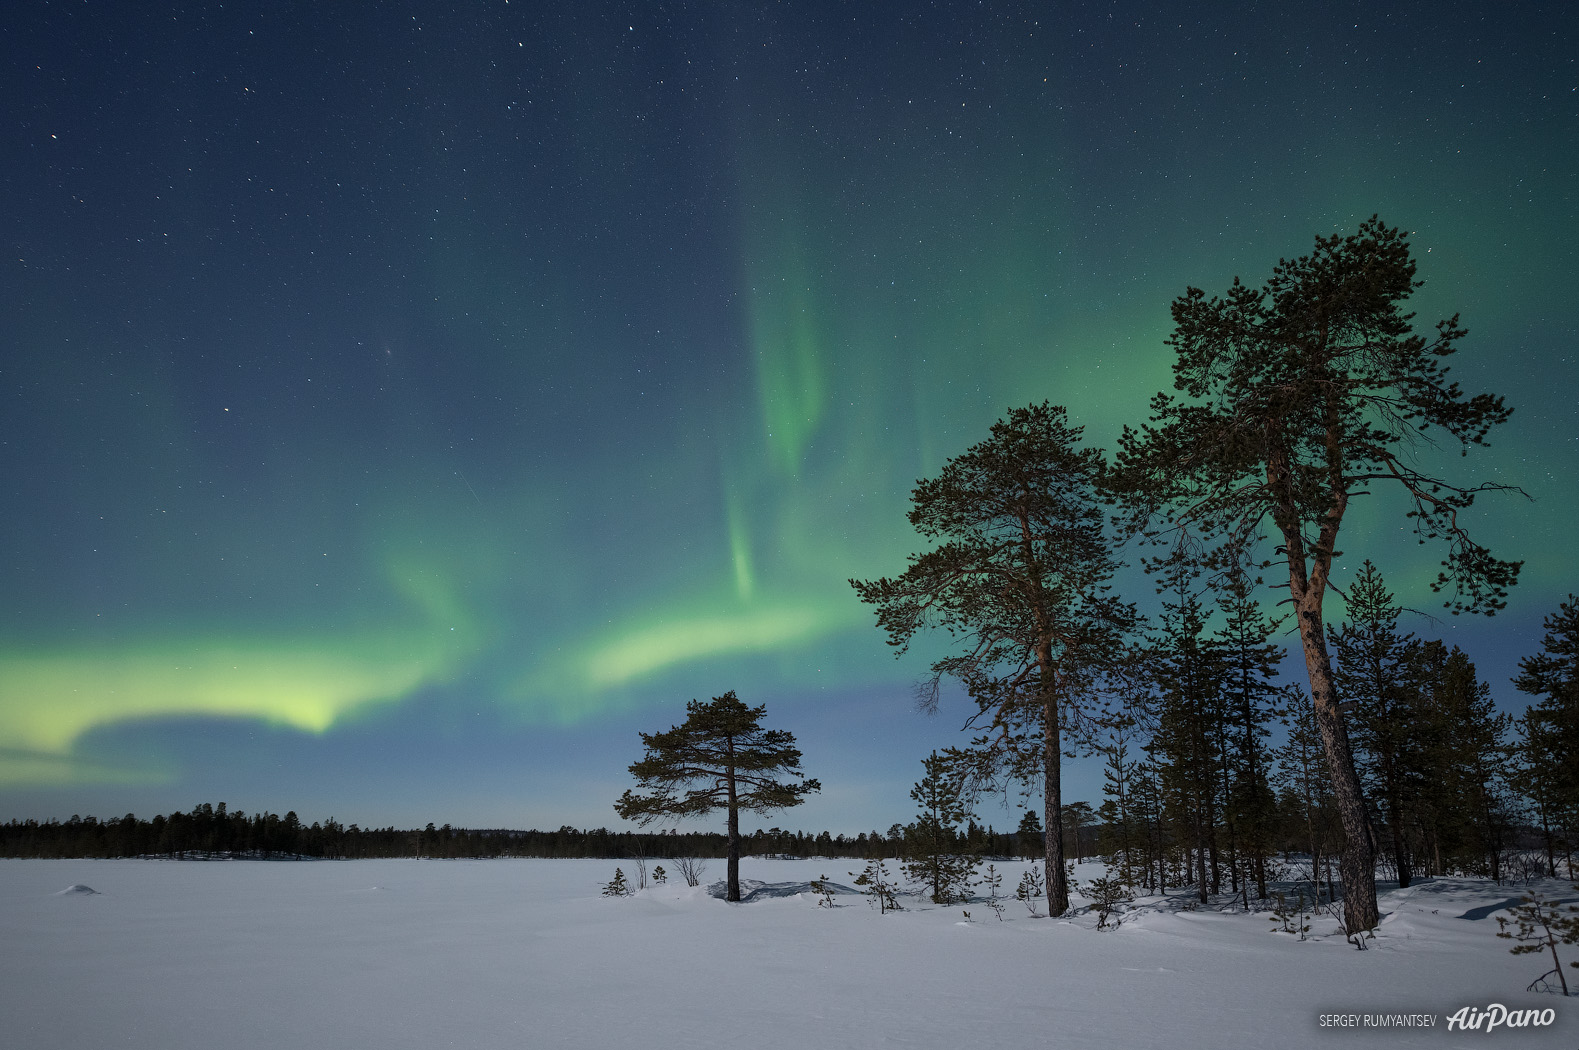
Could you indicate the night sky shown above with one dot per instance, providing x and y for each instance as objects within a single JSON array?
[{"x": 402, "y": 404}]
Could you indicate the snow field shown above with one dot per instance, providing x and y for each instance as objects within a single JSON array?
[{"x": 526, "y": 953}]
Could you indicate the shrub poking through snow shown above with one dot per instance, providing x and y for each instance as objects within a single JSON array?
[
  {"x": 691, "y": 869},
  {"x": 1541, "y": 925},
  {"x": 879, "y": 884},
  {"x": 618, "y": 887},
  {"x": 992, "y": 882},
  {"x": 659, "y": 876},
  {"x": 1294, "y": 919},
  {"x": 1031, "y": 890},
  {"x": 1108, "y": 897},
  {"x": 824, "y": 891}
]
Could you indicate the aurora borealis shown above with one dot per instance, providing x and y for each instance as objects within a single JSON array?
[{"x": 404, "y": 404}]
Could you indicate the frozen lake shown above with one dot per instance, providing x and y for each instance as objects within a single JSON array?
[{"x": 526, "y": 953}]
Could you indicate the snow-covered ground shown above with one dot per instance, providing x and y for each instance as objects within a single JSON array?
[{"x": 527, "y": 954}]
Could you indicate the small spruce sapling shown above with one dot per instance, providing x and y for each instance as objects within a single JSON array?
[
  {"x": 1294, "y": 919},
  {"x": 659, "y": 876},
  {"x": 618, "y": 886},
  {"x": 1031, "y": 890},
  {"x": 1108, "y": 897},
  {"x": 1542, "y": 923},
  {"x": 992, "y": 882}
]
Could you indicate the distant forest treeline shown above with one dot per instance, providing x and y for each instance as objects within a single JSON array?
[{"x": 213, "y": 832}]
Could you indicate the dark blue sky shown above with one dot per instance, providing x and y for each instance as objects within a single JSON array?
[{"x": 403, "y": 405}]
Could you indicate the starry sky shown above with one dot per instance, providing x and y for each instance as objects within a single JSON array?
[{"x": 404, "y": 404}]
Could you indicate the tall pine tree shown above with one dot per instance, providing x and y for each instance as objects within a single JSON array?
[
  {"x": 1189, "y": 673},
  {"x": 1019, "y": 575},
  {"x": 1549, "y": 755},
  {"x": 1250, "y": 686},
  {"x": 1371, "y": 673},
  {"x": 1293, "y": 399}
]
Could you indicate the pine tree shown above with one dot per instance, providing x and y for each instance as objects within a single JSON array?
[
  {"x": 1463, "y": 749},
  {"x": 882, "y": 891},
  {"x": 1294, "y": 919},
  {"x": 932, "y": 854},
  {"x": 1534, "y": 775},
  {"x": 1029, "y": 834},
  {"x": 1250, "y": 662},
  {"x": 1302, "y": 775},
  {"x": 992, "y": 882},
  {"x": 1122, "y": 837},
  {"x": 1108, "y": 896},
  {"x": 1293, "y": 399},
  {"x": 723, "y": 746},
  {"x": 1078, "y": 816},
  {"x": 1550, "y": 756},
  {"x": 1021, "y": 573},
  {"x": 1030, "y": 890},
  {"x": 1371, "y": 675},
  {"x": 617, "y": 887},
  {"x": 1189, "y": 672},
  {"x": 1542, "y": 924}
]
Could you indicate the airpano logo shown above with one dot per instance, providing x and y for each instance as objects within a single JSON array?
[{"x": 1476, "y": 1019}]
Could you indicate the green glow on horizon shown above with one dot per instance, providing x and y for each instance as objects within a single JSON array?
[
  {"x": 25, "y": 768},
  {"x": 48, "y": 700},
  {"x": 51, "y": 696}
]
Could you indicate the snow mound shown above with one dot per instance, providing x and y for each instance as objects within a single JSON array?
[
  {"x": 77, "y": 890},
  {"x": 755, "y": 890}
]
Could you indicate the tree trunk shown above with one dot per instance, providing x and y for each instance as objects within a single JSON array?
[
  {"x": 1551, "y": 856},
  {"x": 1200, "y": 857},
  {"x": 1053, "y": 818},
  {"x": 1395, "y": 819},
  {"x": 1357, "y": 863},
  {"x": 732, "y": 892}
]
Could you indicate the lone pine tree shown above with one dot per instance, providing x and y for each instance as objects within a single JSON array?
[
  {"x": 723, "y": 748},
  {"x": 1020, "y": 574},
  {"x": 1294, "y": 398}
]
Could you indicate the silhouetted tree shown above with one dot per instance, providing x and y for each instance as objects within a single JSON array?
[
  {"x": 1372, "y": 675},
  {"x": 1020, "y": 573},
  {"x": 722, "y": 747},
  {"x": 1549, "y": 751},
  {"x": 932, "y": 847},
  {"x": 1295, "y": 398}
]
